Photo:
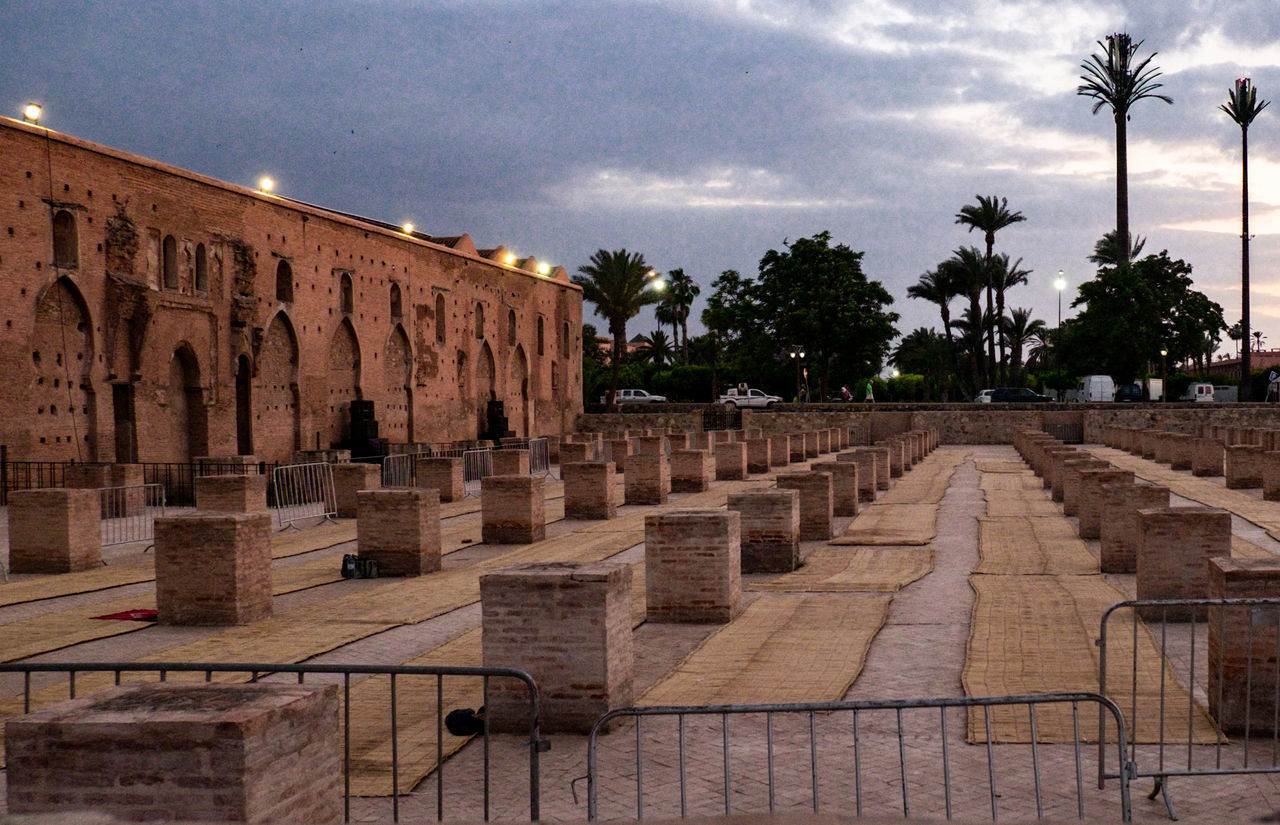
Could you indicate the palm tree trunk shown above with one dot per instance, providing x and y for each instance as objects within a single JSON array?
[
  {"x": 1000, "y": 324},
  {"x": 619, "y": 331},
  {"x": 1246, "y": 362},
  {"x": 1122, "y": 187},
  {"x": 994, "y": 322},
  {"x": 975, "y": 312}
]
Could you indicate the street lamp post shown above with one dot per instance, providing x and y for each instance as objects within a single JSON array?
[
  {"x": 1164, "y": 376},
  {"x": 1060, "y": 283},
  {"x": 797, "y": 355}
]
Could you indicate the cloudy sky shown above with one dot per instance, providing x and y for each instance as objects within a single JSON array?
[{"x": 699, "y": 132}]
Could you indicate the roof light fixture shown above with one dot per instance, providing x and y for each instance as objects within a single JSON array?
[{"x": 31, "y": 112}]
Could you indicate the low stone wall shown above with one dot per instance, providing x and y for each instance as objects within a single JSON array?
[{"x": 957, "y": 423}]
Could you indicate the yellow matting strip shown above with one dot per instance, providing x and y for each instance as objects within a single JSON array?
[
  {"x": 854, "y": 569},
  {"x": 1211, "y": 493},
  {"x": 1022, "y": 545},
  {"x": 892, "y": 525},
  {"x": 1016, "y": 494},
  {"x": 1035, "y": 634},
  {"x": 927, "y": 482},
  {"x": 782, "y": 648},
  {"x": 1000, "y": 465}
]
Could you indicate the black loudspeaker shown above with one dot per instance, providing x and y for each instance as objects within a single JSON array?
[
  {"x": 363, "y": 430},
  {"x": 361, "y": 410}
]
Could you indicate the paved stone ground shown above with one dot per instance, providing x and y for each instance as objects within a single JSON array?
[{"x": 920, "y": 652}]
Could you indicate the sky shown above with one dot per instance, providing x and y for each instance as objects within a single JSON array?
[{"x": 701, "y": 133}]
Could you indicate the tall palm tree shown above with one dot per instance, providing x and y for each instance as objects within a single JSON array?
[
  {"x": 968, "y": 269},
  {"x": 666, "y": 313},
  {"x": 1006, "y": 276},
  {"x": 938, "y": 287},
  {"x": 989, "y": 215},
  {"x": 1020, "y": 329},
  {"x": 680, "y": 294},
  {"x": 1242, "y": 106},
  {"x": 655, "y": 348},
  {"x": 1112, "y": 79},
  {"x": 618, "y": 284}
]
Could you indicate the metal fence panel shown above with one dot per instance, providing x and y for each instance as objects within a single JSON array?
[
  {"x": 422, "y": 708},
  {"x": 397, "y": 470},
  {"x": 539, "y": 457},
  {"x": 476, "y": 466},
  {"x": 1222, "y": 653},
  {"x": 304, "y": 491},
  {"x": 865, "y": 758},
  {"x": 129, "y": 513}
]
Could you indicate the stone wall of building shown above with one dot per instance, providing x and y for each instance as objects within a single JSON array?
[{"x": 154, "y": 314}]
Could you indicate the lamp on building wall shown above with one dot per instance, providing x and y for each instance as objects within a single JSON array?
[
  {"x": 266, "y": 184},
  {"x": 31, "y": 112},
  {"x": 408, "y": 228},
  {"x": 544, "y": 269}
]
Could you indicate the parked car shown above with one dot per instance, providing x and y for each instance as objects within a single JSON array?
[
  {"x": 635, "y": 397},
  {"x": 1095, "y": 388},
  {"x": 743, "y": 397},
  {"x": 1018, "y": 395},
  {"x": 1198, "y": 391},
  {"x": 983, "y": 396},
  {"x": 1129, "y": 392}
]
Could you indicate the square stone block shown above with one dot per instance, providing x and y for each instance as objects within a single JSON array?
[
  {"x": 349, "y": 480},
  {"x": 1244, "y": 466},
  {"x": 647, "y": 479},
  {"x": 399, "y": 528},
  {"x": 1208, "y": 458},
  {"x": 573, "y": 452},
  {"x": 816, "y": 503},
  {"x": 866, "y": 462},
  {"x": 444, "y": 474},
  {"x": 510, "y": 462},
  {"x": 1174, "y": 548},
  {"x": 779, "y": 450},
  {"x": 759, "y": 455},
  {"x": 691, "y": 471},
  {"x": 844, "y": 485},
  {"x": 569, "y": 627},
  {"x": 55, "y": 530},
  {"x": 513, "y": 509},
  {"x": 1118, "y": 523},
  {"x": 259, "y": 753},
  {"x": 213, "y": 568},
  {"x": 1242, "y": 645},
  {"x": 1071, "y": 481},
  {"x": 693, "y": 567},
  {"x": 231, "y": 493},
  {"x": 770, "y": 525},
  {"x": 1092, "y": 498},
  {"x": 731, "y": 461},
  {"x": 590, "y": 490}
]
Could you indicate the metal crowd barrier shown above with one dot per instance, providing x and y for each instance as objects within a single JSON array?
[
  {"x": 866, "y": 757},
  {"x": 414, "y": 698},
  {"x": 539, "y": 456},
  {"x": 304, "y": 491},
  {"x": 397, "y": 470},
  {"x": 476, "y": 465},
  {"x": 129, "y": 513},
  {"x": 1180, "y": 630}
]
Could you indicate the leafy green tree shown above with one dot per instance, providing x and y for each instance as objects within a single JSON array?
[
  {"x": 925, "y": 353},
  {"x": 1112, "y": 79},
  {"x": 1242, "y": 106},
  {"x": 937, "y": 287},
  {"x": 816, "y": 296},
  {"x": 618, "y": 284},
  {"x": 989, "y": 215},
  {"x": 1132, "y": 312}
]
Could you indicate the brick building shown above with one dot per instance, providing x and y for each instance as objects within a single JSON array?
[{"x": 153, "y": 314}]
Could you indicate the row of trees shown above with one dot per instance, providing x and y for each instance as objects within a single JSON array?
[{"x": 811, "y": 307}]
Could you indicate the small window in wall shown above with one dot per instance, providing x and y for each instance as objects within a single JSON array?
[
  {"x": 202, "y": 269},
  {"x": 169, "y": 260},
  {"x": 348, "y": 300},
  {"x": 66, "y": 254},
  {"x": 541, "y": 338},
  {"x": 511, "y": 327},
  {"x": 440, "y": 319},
  {"x": 284, "y": 282},
  {"x": 479, "y": 320},
  {"x": 564, "y": 346},
  {"x": 397, "y": 310}
]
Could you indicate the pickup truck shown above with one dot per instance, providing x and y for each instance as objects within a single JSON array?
[
  {"x": 748, "y": 398},
  {"x": 636, "y": 397}
]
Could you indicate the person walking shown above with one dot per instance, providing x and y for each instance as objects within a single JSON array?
[{"x": 871, "y": 396}]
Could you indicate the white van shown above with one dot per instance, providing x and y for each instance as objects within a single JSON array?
[
  {"x": 1198, "y": 391},
  {"x": 1094, "y": 388}
]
